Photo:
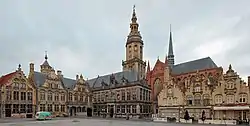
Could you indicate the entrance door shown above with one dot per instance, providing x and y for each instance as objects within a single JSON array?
[
  {"x": 89, "y": 112},
  {"x": 8, "y": 110},
  {"x": 111, "y": 114}
]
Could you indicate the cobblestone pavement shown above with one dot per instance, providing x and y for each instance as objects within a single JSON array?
[{"x": 90, "y": 122}]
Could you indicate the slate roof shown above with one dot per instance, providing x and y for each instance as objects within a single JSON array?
[
  {"x": 199, "y": 64},
  {"x": 130, "y": 76},
  {"x": 40, "y": 79}
]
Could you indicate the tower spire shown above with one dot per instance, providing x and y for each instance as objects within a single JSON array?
[
  {"x": 46, "y": 56},
  {"x": 170, "y": 49},
  {"x": 134, "y": 18}
]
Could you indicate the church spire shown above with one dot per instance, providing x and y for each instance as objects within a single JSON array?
[{"x": 170, "y": 50}]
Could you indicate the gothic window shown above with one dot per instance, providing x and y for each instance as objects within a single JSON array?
[
  {"x": 197, "y": 99},
  {"x": 218, "y": 99},
  {"x": 206, "y": 100},
  {"x": 243, "y": 98},
  {"x": 230, "y": 99},
  {"x": 189, "y": 100},
  {"x": 157, "y": 87}
]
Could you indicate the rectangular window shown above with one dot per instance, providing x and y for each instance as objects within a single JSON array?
[
  {"x": 128, "y": 95},
  {"x": 62, "y": 108},
  {"x": 23, "y": 95},
  {"x": 62, "y": 97},
  {"x": 50, "y": 107},
  {"x": 42, "y": 96},
  {"x": 81, "y": 98},
  {"x": 23, "y": 108},
  {"x": 75, "y": 98},
  {"x": 133, "y": 108},
  {"x": 42, "y": 107},
  {"x": 8, "y": 95},
  {"x": 50, "y": 96},
  {"x": 57, "y": 108},
  {"x": 16, "y": 95},
  {"x": 123, "y": 94},
  {"x": 15, "y": 108},
  {"x": 128, "y": 108},
  {"x": 123, "y": 108},
  {"x": 30, "y": 96},
  {"x": 29, "y": 108},
  {"x": 70, "y": 96}
]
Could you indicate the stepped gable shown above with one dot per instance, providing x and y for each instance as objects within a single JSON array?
[{"x": 40, "y": 79}]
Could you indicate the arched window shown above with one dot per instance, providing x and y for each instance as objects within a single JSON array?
[
  {"x": 189, "y": 100},
  {"x": 157, "y": 87},
  {"x": 206, "y": 99},
  {"x": 197, "y": 99},
  {"x": 230, "y": 99},
  {"x": 243, "y": 98},
  {"x": 218, "y": 99}
]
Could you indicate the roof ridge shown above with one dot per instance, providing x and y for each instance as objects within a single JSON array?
[{"x": 194, "y": 60}]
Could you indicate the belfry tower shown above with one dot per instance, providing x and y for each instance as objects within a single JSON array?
[{"x": 134, "y": 49}]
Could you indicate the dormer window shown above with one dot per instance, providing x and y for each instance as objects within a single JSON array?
[{"x": 230, "y": 85}]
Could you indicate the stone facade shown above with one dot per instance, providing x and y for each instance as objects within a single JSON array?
[
  {"x": 57, "y": 94},
  {"x": 17, "y": 95},
  {"x": 221, "y": 96},
  {"x": 120, "y": 100}
]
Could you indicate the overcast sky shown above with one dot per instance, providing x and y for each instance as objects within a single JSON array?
[{"x": 88, "y": 37}]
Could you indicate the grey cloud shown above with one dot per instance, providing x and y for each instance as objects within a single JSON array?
[{"x": 89, "y": 38}]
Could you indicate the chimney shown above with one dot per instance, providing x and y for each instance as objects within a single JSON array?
[
  {"x": 77, "y": 77},
  {"x": 32, "y": 69},
  {"x": 59, "y": 72},
  {"x": 248, "y": 81}
]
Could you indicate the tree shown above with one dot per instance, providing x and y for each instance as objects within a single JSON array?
[
  {"x": 203, "y": 116},
  {"x": 186, "y": 116}
]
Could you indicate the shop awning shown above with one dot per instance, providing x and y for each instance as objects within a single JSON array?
[{"x": 232, "y": 108}]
